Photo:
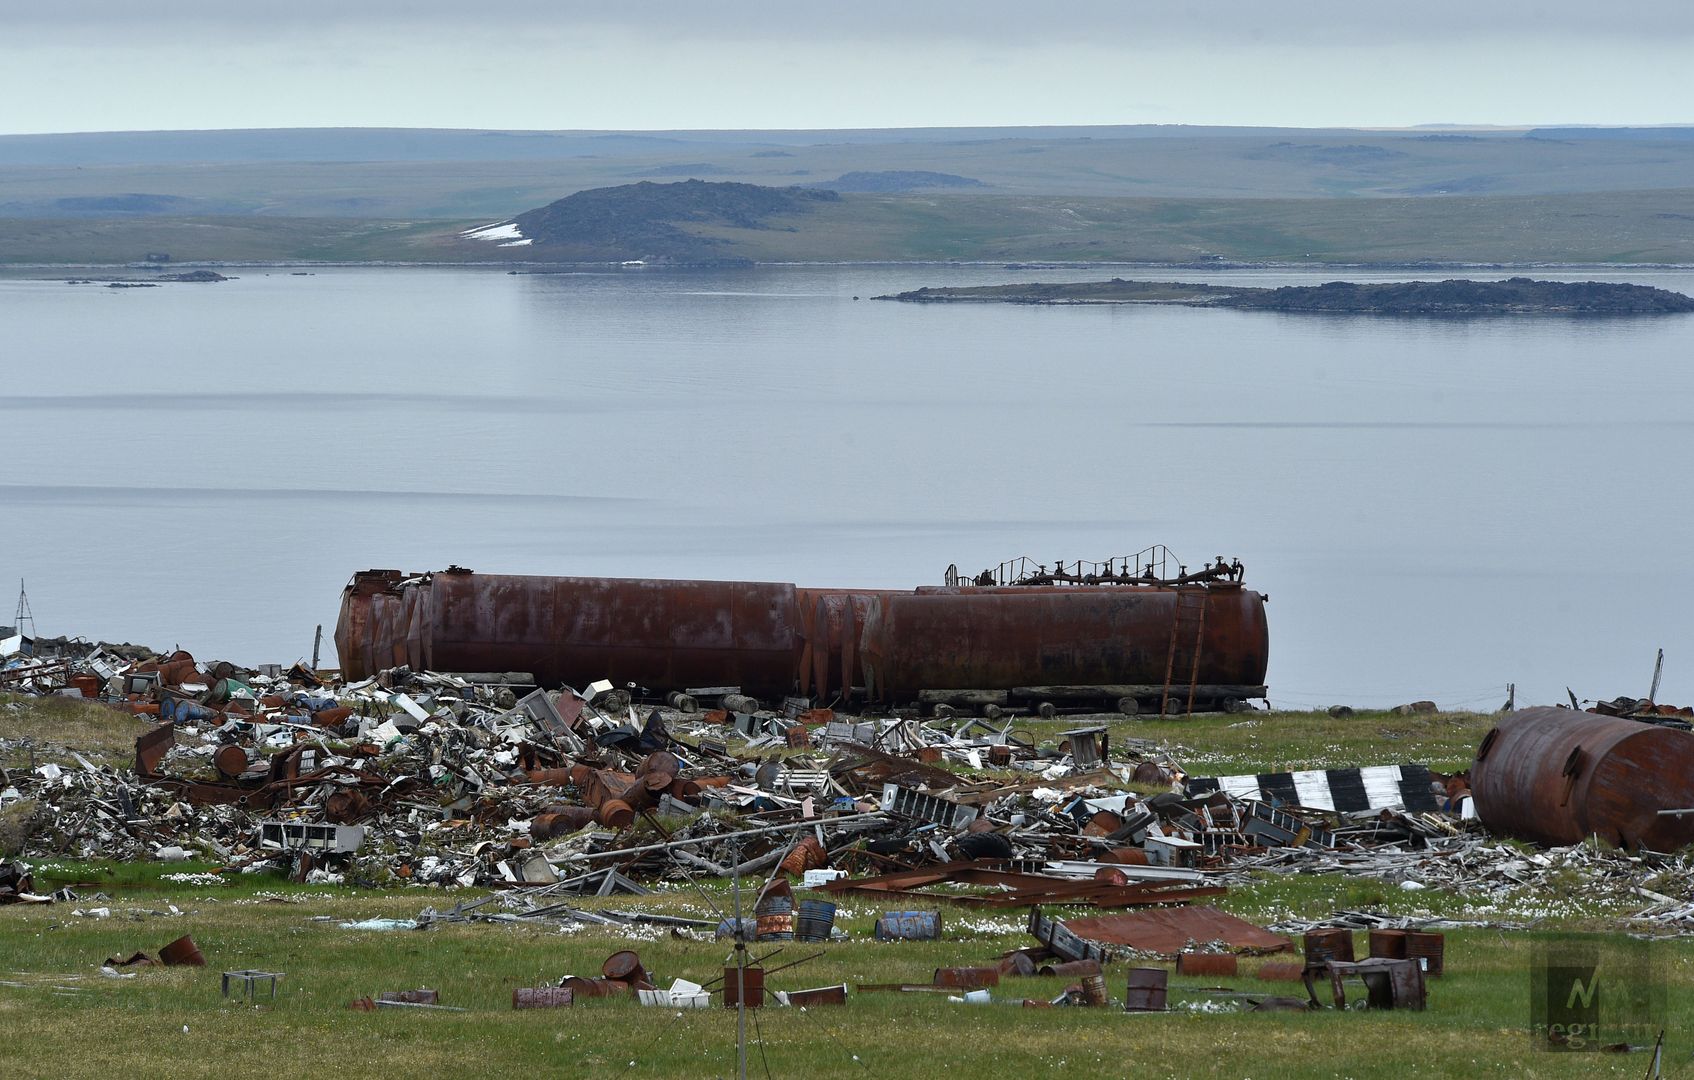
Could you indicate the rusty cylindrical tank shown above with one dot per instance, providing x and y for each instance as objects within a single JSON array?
[
  {"x": 999, "y": 638},
  {"x": 1558, "y": 776},
  {"x": 772, "y": 638},
  {"x": 660, "y": 634}
]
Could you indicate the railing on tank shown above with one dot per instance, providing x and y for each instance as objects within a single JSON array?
[{"x": 1155, "y": 565}]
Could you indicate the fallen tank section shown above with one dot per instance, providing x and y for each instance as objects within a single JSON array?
[{"x": 1560, "y": 776}]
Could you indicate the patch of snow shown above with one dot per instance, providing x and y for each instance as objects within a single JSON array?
[
  {"x": 500, "y": 230},
  {"x": 518, "y": 243}
]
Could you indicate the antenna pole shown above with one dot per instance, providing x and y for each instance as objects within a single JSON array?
[
  {"x": 26, "y": 615},
  {"x": 740, "y": 970}
]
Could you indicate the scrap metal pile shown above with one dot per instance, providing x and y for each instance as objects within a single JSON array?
[{"x": 482, "y": 779}]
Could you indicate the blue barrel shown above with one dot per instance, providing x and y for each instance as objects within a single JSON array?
[
  {"x": 726, "y": 929},
  {"x": 908, "y": 926},
  {"x": 813, "y": 921}
]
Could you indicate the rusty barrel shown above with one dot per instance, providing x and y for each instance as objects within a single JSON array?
[
  {"x": 587, "y": 988},
  {"x": 624, "y": 966},
  {"x": 967, "y": 978},
  {"x": 1195, "y": 963},
  {"x": 908, "y": 926},
  {"x": 1070, "y": 968},
  {"x": 1094, "y": 989},
  {"x": 808, "y": 854},
  {"x": 775, "y": 919},
  {"x": 616, "y": 814},
  {"x": 1145, "y": 990},
  {"x": 1325, "y": 945},
  {"x": 542, "y": 997},
  {"x": 1388, "y": 944},
  {"x": 1558, "y": 776},
  {"x": 1429, "y": 949},
  {"x": 230, "y": 761},
  {"x": 559, "y": 820},
  {"x": 420, "y": 996}
]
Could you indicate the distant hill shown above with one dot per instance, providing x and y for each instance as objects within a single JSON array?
[
  {"x": 648, "y": 221},
  {"x": 895, "y": 180}
]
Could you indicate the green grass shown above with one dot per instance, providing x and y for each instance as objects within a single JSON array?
[
  {"x": 54, "y": 726},
  {"x": 1219, "y": 744},
  {"x": 1477, "y": 1013}
]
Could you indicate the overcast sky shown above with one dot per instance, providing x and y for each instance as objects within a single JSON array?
[{"x": 101, "y": 65}]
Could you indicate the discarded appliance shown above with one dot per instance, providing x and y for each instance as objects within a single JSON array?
[
  {"x": 1389, "y": 984},
  {"x": 1559, "y": 776},
  {"x": 298, "y": 836}
]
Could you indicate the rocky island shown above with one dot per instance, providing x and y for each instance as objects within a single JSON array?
[{"x": 1458, "y": 297}]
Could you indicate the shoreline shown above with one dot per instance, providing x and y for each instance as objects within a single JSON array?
[{"x": 31, "y": 271}]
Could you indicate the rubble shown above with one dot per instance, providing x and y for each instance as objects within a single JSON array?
[{"x": 543, "y": 795}]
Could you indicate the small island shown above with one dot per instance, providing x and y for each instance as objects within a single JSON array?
[{"x": 1455, "y": 297}]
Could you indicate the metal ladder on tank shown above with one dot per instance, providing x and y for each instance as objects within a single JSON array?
[{"x": 1190, "y": 611}]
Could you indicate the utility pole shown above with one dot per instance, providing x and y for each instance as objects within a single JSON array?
[
  {"x": 317, "y": 643},
  {"x": 1658, "y": 669}
]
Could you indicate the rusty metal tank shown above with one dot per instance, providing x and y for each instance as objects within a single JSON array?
[
  {"x": 659, "y": 634},
  {"x": 998, "y": 638},
  {"x": 1559, "y": 776},
  {"x": 772, "y": 639}
]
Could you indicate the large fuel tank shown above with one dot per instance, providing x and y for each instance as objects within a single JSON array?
[
  {"x": 1559, "y": 776},
  {"x": 772, "y": 639},
  {"x": 658, "y": 634},
  {"x": 998, "y": 638}
]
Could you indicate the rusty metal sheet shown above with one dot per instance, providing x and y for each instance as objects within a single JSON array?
[
  {"x": 151, "y": 746},
  {"x": 1019, "y": 890},
  {"x": 1559, "y": 776},
  {"x": 1168, "y": 930}
]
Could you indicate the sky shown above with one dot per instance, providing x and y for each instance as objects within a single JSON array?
[{"x": 110, "y": 65}]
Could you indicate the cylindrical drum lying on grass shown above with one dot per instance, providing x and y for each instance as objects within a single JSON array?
[
  {"x": 1558, "y": 776},
  {"x": 908, "y": 926}
]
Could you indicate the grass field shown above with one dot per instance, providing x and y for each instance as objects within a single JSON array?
[
  {"x": 60, "y": 1016},
  {"x": 53, "y": 999}
]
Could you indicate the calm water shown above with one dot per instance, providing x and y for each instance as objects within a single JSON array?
[{"x": 1435, "y": 508}]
